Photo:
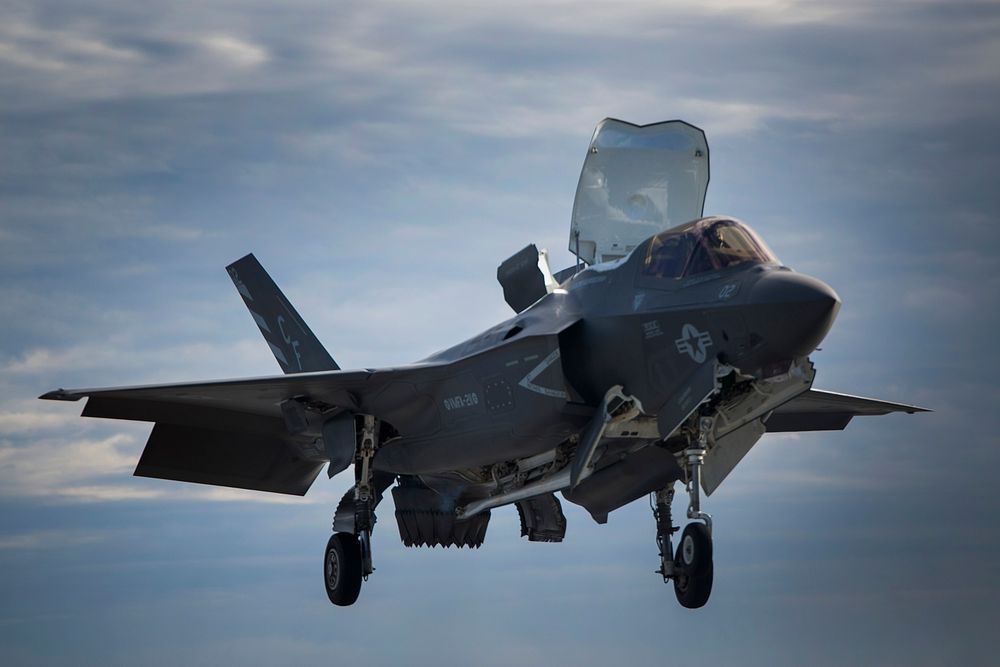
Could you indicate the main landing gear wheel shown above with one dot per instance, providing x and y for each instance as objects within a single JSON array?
[
  {"x": 342, "y": 569},
  {"x": 693, "y": 569}
]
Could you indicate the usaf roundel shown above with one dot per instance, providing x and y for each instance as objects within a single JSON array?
[{"x": 693, "y": 343}]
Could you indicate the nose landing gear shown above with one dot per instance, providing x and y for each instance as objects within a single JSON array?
[
  {"x": 691, "y": 567},
  {"x": 342, "y": 569}
]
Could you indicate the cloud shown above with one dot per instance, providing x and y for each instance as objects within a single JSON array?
[
  {"x": 127, "y": 357},
  {"x": 33, "y": 421},
  {"x": 237, "y": 51},
  {"x": 48, "y": 539},
  {"x": 24, "y": 44},
  {"x": 168, "y": 491},
  {"x": 47, "y": 467},
  {"x": 67, "y": 469},
  {"x": 423, "y": 54},
  {"x": 41, "y": 360}
]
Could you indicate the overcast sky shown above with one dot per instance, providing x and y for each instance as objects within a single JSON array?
[{"x": 381, "y": 158}]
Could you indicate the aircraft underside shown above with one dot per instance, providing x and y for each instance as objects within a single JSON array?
[{"x": 617, "y": 458}]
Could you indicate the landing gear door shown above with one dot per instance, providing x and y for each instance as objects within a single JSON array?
[{"x": 637, "y": 180}]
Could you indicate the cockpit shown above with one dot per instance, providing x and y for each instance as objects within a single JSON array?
[{"x": 709, "y": 244}]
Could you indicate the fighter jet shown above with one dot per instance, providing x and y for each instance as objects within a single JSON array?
[{"x": 669, "y": 349}]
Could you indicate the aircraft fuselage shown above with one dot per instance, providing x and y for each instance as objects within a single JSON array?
[{"x": 526, "y": 385}]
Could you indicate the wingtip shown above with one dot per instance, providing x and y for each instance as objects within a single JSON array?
[{"x": 59, "y": 395}]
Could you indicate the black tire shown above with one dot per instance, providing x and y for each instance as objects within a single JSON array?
[
  {"x": 693, "y": 591},
  {"x": 342, "y": 569},
  {"x": 694, "y": 552},
  {"x": 693, "y": 567}
]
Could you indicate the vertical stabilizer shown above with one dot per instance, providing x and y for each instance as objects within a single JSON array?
[{"x": 291, "y": 341}]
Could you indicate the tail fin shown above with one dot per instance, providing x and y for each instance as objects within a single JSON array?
[{"x": 294, "y": 346}]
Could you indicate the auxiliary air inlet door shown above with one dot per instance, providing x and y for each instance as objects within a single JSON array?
[{"x": 637, "y": 180}]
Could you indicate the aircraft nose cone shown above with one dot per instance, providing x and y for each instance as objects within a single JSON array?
[{"x": 793, "y": 312}]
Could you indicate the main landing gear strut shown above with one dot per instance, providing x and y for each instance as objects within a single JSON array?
[
  {"x": 348, "y": 557},
  {"x": 690, "y": 567}
]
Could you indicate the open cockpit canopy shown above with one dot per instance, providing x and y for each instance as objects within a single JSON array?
[
  {"x": 701, "y": 246},
  {"x": 637, "y": 180}
]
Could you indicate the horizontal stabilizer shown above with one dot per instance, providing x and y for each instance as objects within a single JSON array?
[
  {"x": 817, "y": 410},
  {"x": 226, "y": 458},
  {"x": 291, "y": 341}
]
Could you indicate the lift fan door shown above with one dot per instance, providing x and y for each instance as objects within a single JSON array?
[{"x": 637, "y": 180}]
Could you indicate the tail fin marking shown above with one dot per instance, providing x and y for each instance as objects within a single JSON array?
[{"x": 293, "y": 344}]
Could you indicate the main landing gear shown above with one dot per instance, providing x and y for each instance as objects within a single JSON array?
[
  {"x": 348, "y": 557},
  {"x": 691, "y": 567}
]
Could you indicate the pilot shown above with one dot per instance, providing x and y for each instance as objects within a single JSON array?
[{"x": 667, "y": 256}]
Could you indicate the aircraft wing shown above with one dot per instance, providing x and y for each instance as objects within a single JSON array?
[
  {"x": 818, "y": 410},
  {"x": 235, "y": 432}
]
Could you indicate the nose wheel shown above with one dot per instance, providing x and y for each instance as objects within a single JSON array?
[{"x": 693, "y": 569}]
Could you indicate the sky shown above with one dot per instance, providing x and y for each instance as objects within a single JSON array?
[{"x": 381, "y": 159}]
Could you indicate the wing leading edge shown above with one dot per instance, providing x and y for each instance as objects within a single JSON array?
[{"x": 818, "y": 410}]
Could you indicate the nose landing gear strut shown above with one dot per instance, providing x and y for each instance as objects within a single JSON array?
[{"x": 690, "y": 567}]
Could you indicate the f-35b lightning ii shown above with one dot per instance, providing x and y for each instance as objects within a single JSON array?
[{"x": 663, "y": 356}]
